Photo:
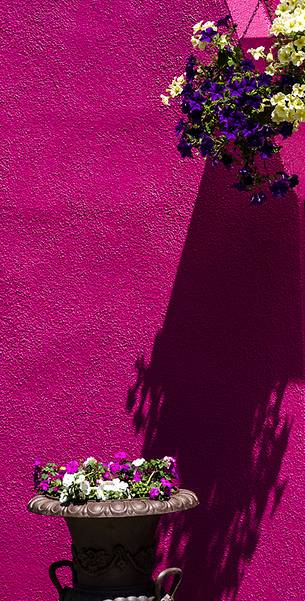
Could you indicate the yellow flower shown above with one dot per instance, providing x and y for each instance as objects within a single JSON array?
[
  {"x": 277, "y": 27},
  {"x": 164, "y": 99},
  {"x": 279, "y": 114},
  {"x": 300, "y": 113},
  {"x": 284, "y": 54},
  {"x": 270, "y": 70},
  {"x": 297, "y": 58},
  {"x": 299, "y": 43},
  {"x": 258, "y": 52},
  {"x": 298, "y": 89},
  {"x": 197, "y": 27},
  {"x": 197, "y": 43},
  {"x": 222, "y": 41},
  {"x": 269, "y": 57},
  {"x": 176, "y": 86},
  {"x": 208, "y": 25},
  {"x": 296, "y": 103},
  {"x": 279, "y": 98}
]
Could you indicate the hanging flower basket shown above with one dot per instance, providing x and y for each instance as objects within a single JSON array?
[
  {"x": 112, "y": 511},
  {"x": 236, "y": 112}
]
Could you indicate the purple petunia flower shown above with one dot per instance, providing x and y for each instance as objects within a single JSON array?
[
  {"x": 224, "y": 22},
  {"x": 264, "y": 79},
  {"x": 266, "y": 150},
  {"x": 280, "y": 186},
  {"x": 190, "y": 68},
  {"x": 37, "y": 472},
  {"x": 72, "y": 467},
  {"x": 114, "y": 466},
  {"x": 195, "y": 110},
  {"x": 246, "y": 179},
  {"x": 154, "y": 493},
  {"x": 247, "y": 64},
  {"x": 137, "y": 477},
  {"x": 185, "y": 148},
  {"x": 166, "y": 482},
  {"x": 208, "y": 34},
  {"x": 44, "y": 485},
  {"x": 180, "y": 126},
  {"x": 293, "y": 181},
  {"x": 216, "y": 91},
  {"x": 286, "y": 129},
  {"x": 206, "y": 145}
]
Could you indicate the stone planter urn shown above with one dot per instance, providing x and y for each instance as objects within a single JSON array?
[{"x": 113, "y": 547}]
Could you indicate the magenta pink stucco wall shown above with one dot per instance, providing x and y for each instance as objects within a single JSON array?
[{"x": 144, "y": 306}]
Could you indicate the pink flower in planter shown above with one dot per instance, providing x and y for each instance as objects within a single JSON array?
[
  {"x": 137, "y": 477},
  {"x": 166, "y": 482},
  {"x": 114, "y": 467},
  {"x": 154, "y": 493},
  {"x": 72, "y": 467}
]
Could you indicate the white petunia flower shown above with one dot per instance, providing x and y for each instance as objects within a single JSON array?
[
  {"x": 68, "y": 479},
  {"x": 63, "y": 497},
  {"x": 100, "y": 494},
  {"x": 90, "y": 460},
  {"x": 85, "y": 487},
  {"x": 106, "y": 487},
  {"x": 138, "y": 462},
  {"x": 119, "y": 485}
]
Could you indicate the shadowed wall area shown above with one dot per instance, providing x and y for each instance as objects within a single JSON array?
[{"x": 212, "y": 392}]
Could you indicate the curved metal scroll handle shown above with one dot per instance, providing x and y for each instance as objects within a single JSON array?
[
  {"x": 52, "y": 573},
  {"x": 161, "y": 595}
]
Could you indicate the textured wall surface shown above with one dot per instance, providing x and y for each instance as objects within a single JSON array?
[{"x": 144, "y": 306}]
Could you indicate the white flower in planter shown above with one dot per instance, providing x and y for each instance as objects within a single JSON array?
[
  {"x": 116, "y": 485},
  {"x": 138, "y": 462},
  {"x": 100, "y": 495},
  {"x": 90, "y": 461},
  {"x": 119, "y": 485},
  {"x": 85, "y": 488},
  {"x": 68, "y": 479},
  {"x": 63, "y": 497}
]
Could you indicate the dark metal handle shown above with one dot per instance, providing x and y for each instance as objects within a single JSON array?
[
  {"x": 52, "y": 573},
  {"x": 160, "y": 594}
]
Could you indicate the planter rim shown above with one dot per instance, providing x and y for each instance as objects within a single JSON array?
[{"x": 119, "y": 508}]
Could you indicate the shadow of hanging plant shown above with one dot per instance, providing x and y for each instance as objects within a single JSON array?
[{"x": 211, "y": 394}]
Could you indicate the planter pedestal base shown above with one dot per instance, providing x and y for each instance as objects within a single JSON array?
[{"x": 113, "y": 548}]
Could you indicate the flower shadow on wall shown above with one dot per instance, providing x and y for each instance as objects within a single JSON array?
[{"x": 212, "y": 392}]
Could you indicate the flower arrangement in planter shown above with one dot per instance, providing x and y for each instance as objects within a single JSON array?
[
  {"x": 235, "y": 112},
  {"x": 112, "y": 511},
  {"x": 94, "y": 480}
]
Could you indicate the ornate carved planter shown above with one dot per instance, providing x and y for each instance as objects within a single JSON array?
[{"x": 113, "y": 547}]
